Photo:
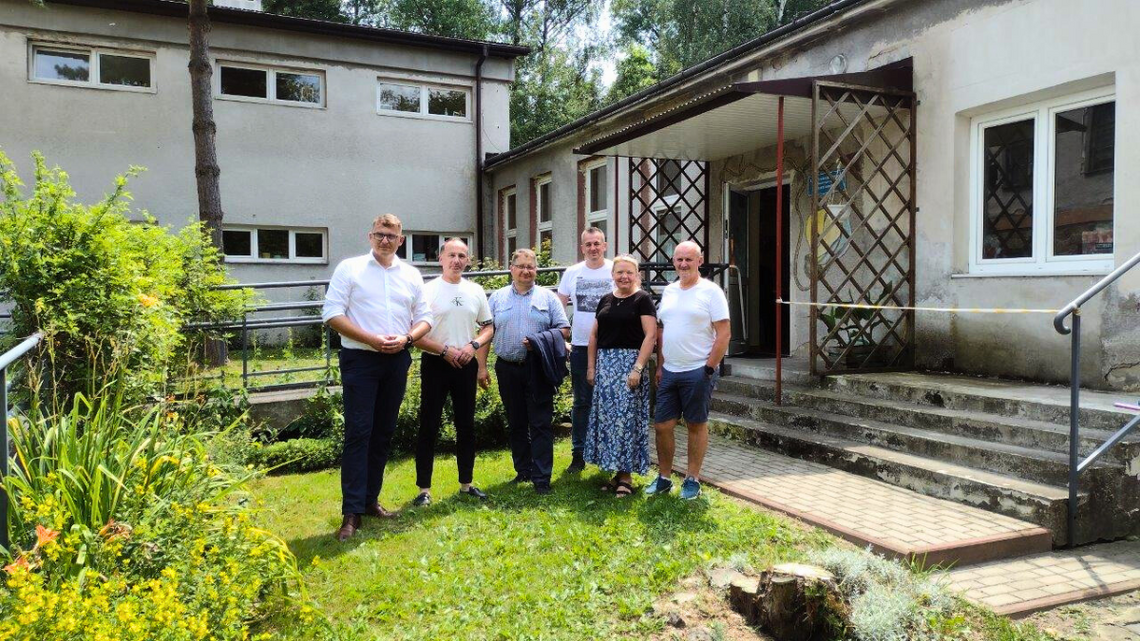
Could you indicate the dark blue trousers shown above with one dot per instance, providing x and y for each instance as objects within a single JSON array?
[
  {"x": 583, "y": 396},
  {"x": 374, "y": 385},
  {"x": 528, "y": 399}
]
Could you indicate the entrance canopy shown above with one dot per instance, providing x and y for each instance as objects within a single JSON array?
[{"x": 739, "y": 118}]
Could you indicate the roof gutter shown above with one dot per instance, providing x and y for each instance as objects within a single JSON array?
[{"x": 778, "y": 33}]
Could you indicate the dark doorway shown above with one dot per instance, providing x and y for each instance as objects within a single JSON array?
[{"x": 752, "y": 287}]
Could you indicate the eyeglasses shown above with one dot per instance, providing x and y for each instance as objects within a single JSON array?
[
  {"x": 525, "y": 268},
  {"x": 376, "y": 235}
]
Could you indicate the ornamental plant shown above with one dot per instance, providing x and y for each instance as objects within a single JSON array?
[{"x": 106, "y": 285}]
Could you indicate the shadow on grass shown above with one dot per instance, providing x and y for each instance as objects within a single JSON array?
[{"x": 573, "y": 494}]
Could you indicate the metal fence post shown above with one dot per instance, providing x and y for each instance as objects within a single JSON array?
[
  {"x": 244, "y": 350},
  {"x": 4, "y": 459},
  {"x": 1074, "y": 428}
]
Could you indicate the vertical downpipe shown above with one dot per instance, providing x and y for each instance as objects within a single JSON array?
[
  {"x": 1074, "y": 428},
  {"x": 479, "y": 150},
  {"x": 779, "y": 250}
]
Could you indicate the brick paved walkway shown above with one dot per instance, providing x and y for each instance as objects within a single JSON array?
[
  {"x": 893, "y": 520},
  {"x": 1031, "y": 583}
]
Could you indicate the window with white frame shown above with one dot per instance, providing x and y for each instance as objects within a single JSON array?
[
  {"x": 410, "y": 98},
  {"x": 92, "y": 67},
  {"x": 509, "y": 217},
  {"x": 1042, "y": 187},
  {"x": 544, "y": 211},
  {"x": 269, "y": 84},
  {"x": 596, "y": 195},
  {"x": 249, "y": 244},
  {"x": 424, "y": 247}
]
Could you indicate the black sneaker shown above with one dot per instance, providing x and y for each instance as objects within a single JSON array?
[
  {"x": 577, "y": 463},
  {"x": 422, "y": 500},
  {"x": 475, "y": 492},
  {"x": 542, "y": 488},
  {"x": 520, "y": 478}
]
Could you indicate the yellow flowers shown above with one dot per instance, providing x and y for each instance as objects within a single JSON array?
[{"x": 147, "y": 301}]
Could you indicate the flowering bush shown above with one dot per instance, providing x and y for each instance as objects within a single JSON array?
[
  {"x": 106, "y": 290},
  {"x": 123, "y": 528}
]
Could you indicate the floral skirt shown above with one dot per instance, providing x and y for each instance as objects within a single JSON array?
[{"x": 617, "y": 439}]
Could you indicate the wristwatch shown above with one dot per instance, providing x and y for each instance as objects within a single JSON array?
[
  {"x": 475, "y": 344},
  {"x": 709, "y": 370},
  {"x": 409, "y": 342}
]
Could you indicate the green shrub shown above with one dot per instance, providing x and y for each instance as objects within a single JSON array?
[
  {"x": 123, "y": 527},
  {"x": 105, "y": 290},
  {"x": 297, "y": 455}
]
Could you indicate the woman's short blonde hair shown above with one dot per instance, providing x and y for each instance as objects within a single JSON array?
[{"x": 626, "y": 258}]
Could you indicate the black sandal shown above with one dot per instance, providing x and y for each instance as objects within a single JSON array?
[
  {"x": 611, "y": 485},
  {"x": 622, "y": 485}
]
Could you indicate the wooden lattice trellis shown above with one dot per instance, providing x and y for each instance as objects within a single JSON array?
[
  {"x": 668, "y": 204},
  {"x": 863, "y": 235}
]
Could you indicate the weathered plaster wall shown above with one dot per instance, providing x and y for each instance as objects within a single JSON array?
[{"x": 335, "y": 167}]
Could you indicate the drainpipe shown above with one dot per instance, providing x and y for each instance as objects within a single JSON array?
[{"x": 479, "y": 149}]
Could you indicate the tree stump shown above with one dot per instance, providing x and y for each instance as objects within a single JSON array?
[{"x": 793, "y": 602}]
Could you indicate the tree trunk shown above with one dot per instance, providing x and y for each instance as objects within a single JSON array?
[{"x": 206, "y": 170}]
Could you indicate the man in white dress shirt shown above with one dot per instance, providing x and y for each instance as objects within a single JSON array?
[{"x": 376, "y": 303}]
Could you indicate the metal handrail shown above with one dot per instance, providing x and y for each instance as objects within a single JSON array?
[
  {"x": 1076, "y": 465},
  {"x": 6, "y": 359}
]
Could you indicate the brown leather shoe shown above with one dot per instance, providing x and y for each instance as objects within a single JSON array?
[
  {"x": 379, "y": 512},
  {"x": 348, "y": 527}
]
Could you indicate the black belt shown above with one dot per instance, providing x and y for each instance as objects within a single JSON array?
[{"x": 510, "y": 362}]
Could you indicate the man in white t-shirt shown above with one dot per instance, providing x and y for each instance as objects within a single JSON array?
[
  {"x": 694, "y": 338},
  {"x": 582, "y": 286},
  {"x": 454, "y": 357}
]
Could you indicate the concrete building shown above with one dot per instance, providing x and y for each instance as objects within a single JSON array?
[
  {"x": 321, "y": 126},
  {"x": 975, "y": 164}
]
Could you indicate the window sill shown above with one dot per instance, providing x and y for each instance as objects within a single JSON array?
[
  {"x": 92, "y": 85},
  {"x": 267, "y": 101},
  {"x": 1098, "y": 273},
  {"x": 422, "y": 116},
  {"x": 276, "y": 261}
]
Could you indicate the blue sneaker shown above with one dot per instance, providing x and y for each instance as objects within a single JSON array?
[
  {"x": 690, "y": 489},
  {"x": 660, "y": 485}
]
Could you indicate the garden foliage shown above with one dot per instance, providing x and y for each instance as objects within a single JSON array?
[{"x": 107, "y": 287}]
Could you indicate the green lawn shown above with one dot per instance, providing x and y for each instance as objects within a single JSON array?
[{"x": 576, "y": 564}]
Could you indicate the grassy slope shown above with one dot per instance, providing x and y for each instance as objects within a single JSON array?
[{"x": 576, "y": 564}]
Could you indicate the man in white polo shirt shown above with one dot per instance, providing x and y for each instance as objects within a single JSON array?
[
  {"x": 695, "y": 332},
  {"x": 451, "y": 363},
  {"x": 582, "y": 286},
  {"x": 376, "y": 303}
]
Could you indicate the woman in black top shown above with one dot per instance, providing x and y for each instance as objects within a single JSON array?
[{"x": 625, "y": 330}]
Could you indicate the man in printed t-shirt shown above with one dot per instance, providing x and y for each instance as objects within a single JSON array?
[{"x": 582, "y": 286}]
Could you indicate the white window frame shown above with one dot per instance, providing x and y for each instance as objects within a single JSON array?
[
  {"x": 541, "y": 226},
  {"x": 292, "y": 259},
  {"x": 270, "y": 83},
  {"x": 600, "y": 215},
  {"x": 1042, "y": 261},
  {"x": 94, "y": 54},
  {"x": 508, "y": 231},
  {"x": 467, "y": 237},
  {"x": 424, "y": 87}
]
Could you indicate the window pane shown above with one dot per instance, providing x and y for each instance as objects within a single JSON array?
[
  {"x": 128, "y": 71},
  {"x": 544, "y": 202},
  {"x": 447, "y": 102},
  {"x": 395, "y": 97},
  {"x": 425, "y": 248},
  {"x": 309, "y": 245},
  {"x": 62, "y": 65},
  {"x": 402, "y": 250},
  {"x": 237, "y": 243},
  {"x": 1007, "y": 201},
  {"x": 1084, "y": 144},
  {"x": 512, "y": 245},
  {"x": 668, "y": 178},
  {"x": 299, "y": 87},
  {"x": 545, "y": 238},
  {"x": 598, "y": 188},
  {"x": 273, "y": 243},
  {"x": 244, "y": 82},
  {"x": 600, "y": 224},
  {"x": 511, "y": 218}
]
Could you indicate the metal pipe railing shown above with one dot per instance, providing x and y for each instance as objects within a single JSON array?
[
  {"x": 6, "y": 359},
  {"x": 1076, "y": 465}
]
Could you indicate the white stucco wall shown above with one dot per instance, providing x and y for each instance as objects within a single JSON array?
[{"x": 333, "y": 167}]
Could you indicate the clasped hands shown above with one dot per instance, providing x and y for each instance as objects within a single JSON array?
[
  {"x": 389, "y": 343},
  {"x": 459, "y": 357}
]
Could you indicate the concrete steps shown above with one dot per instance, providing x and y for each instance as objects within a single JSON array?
[{"x": 997, "y": 445}]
